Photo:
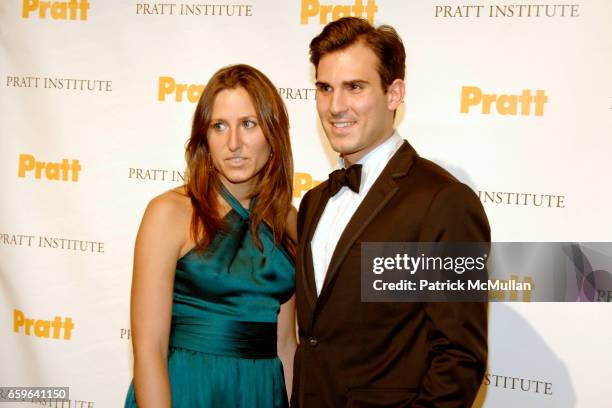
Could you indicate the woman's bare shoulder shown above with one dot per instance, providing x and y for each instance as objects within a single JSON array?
[
  {"x": 169, "y": 214},
  {"x": 171, "y": 205}
]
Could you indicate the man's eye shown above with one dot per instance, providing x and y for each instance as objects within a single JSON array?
[
  {"x": 356, "y": 86},
  {"x": 324, "y": 88},
  {"x": 249, "y": 123}
]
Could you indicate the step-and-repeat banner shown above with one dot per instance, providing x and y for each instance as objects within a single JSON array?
[{"x": 96, "y": 100}]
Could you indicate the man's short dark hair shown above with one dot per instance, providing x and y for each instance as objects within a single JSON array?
[{"x": 383, "y": 41}]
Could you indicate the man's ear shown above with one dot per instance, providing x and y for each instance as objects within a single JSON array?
[{"x": 395, "y": 94}]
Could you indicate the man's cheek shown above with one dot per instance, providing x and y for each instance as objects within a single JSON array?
[{"x": 321, "y": 106}]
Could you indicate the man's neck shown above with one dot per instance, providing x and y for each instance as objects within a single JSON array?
[{"x": 352, "y": 158}]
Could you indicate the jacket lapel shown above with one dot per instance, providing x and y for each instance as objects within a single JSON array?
[
  {"x": 379, "y": 195},
  {"x": 313, "y": 215}
]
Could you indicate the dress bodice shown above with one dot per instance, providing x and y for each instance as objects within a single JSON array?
[{"x": 233, "y": 279}]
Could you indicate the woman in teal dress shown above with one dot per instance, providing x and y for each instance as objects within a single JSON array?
[{"x": 212, "y": 308}]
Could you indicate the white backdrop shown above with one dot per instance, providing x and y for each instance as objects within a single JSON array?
[{"x": 115, "y": 79}]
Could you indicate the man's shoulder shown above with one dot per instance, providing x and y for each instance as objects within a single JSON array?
[
  {"x": 428, "y": 180},
  {"x": 432, "y": 175},
  {"x": 450, "y": 209}
]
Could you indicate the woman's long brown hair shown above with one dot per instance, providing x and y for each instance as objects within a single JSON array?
[{"x": 274, "y": 187}]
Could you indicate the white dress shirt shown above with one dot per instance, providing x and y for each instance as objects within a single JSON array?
[{"x": 341, "y": 207}]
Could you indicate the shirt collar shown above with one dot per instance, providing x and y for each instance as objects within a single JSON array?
[{"x": 375, "y": 161}]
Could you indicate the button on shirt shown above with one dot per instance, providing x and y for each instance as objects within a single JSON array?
[{"x": 341, "y": 207}]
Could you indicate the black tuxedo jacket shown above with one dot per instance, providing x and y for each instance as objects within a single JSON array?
[{"x": 354, "y": 354}]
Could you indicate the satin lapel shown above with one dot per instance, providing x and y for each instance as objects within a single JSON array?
[
  {"x": 379, "y": 195},
  {"x": 313, "y": 214}
]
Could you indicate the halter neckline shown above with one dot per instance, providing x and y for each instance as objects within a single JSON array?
[{"x": 235, "y": 204}]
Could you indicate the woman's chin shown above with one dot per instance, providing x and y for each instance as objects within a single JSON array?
[{"x": 234, "y": 177}]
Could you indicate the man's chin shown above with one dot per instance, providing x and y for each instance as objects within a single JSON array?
[{"x": 340, "y": 148}]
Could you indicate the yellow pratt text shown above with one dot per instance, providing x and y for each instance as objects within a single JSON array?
[
  {"x": 168, "y": 86},
  {"x": 504, "y": 104},
  {"x": 58, "y": 10},
  {"x": 302, "y": 182},
  {"x": 63, "y": 170},
  {"x": 313, "y": 8},
  {"x": 42, "y": 328}
]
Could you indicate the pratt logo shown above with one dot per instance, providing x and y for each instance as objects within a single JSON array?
[
  {"x": 126, "y": 334},
  {"x": 156, "y": 174},
  {"x": 313, "y": 8},
  {"x": 168, "y": 86},
  {"x": 219, "y": 10},
  {"x": 518, "y": 384},
  {"x": 51, "y": 242},
  {"x": 58, "y": 10},
  {"x": 69, "y": 84},
  {"x": 302, "y": 182},
  {"x": 509, "y": 11},
  {"x": 504, "y": 104},
  {"x": 70, "y": 403},
  {"x": 524, "y": 199},
  {"x": 52, "y": 170},
  {"x": 169, "y": 89},
  {"x": 42, "y": 328},
  {"x": 297, "y": 93}
]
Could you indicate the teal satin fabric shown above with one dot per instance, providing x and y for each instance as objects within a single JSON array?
[
  {"x": 222, "y": 346},
  {"x": 233, "y": 279},
  {"x": 224, "y": 337}
]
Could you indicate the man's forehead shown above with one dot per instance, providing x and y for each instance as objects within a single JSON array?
[{"x": 354, "y": 63}]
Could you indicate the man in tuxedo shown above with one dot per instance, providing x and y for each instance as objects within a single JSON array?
[{"x": 398, "y": 354}]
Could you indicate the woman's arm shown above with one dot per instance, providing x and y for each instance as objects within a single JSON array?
[
  {"x": 158, "y": 245},
  {"x": 286, "y": 337},
  {"x": 286, "y": 341}
]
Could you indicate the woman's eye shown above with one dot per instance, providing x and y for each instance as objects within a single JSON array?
[
  {"x": 219, "y": 126},
  {"x": 249, "y": 123}
]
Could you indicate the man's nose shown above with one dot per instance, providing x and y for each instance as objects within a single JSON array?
[{"x": 338, "y": 103}]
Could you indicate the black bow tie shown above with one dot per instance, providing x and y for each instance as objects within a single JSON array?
[{"x": 350, "y": 177}]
